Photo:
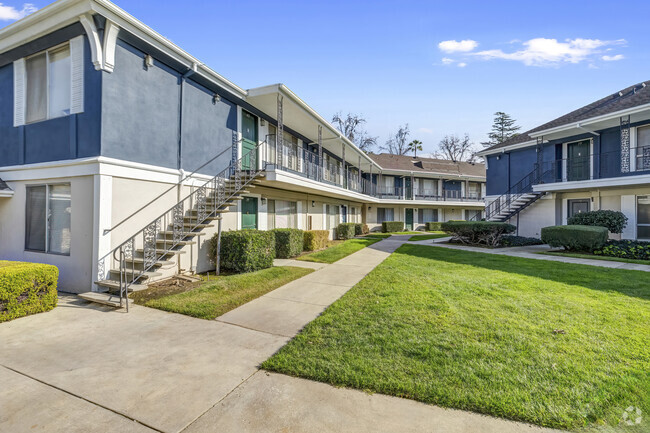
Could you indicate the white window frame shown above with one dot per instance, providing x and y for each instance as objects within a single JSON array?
[
  {"x": 636, "y": 217},
  {"x": 76, "y": 53},
  {"x": 47, "y": 219}
]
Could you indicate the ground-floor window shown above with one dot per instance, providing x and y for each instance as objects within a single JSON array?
[
  {"x": 473, "y": 215},
  {"x": 47, "y": 219},
  {"x": 577, "y": 206},
  {"x": 282, "y": 214},
  {"x": 643, "y": 217},
  {"x": 427, "y": 215},
  {"x": 385, "y": 214},
  {"x": 332, "y": 216}
]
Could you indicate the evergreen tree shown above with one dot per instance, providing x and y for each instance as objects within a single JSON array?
[{"x": 503, "y": 128}]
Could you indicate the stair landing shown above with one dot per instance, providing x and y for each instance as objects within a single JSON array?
[{"x": 101, "y": 298}]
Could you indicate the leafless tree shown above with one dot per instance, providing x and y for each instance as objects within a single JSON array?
[
  {"x": 352, "y": 127},
  {"x": 397, "y": 144},
  {"x": 456, "y": 148}
]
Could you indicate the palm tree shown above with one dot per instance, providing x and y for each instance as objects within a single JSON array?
[{"x": 414, "y": 146}]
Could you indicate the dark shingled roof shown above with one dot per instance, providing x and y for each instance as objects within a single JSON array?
[
  {"x": 428, "y": 165},
  {"x": 630, "y": 97}
]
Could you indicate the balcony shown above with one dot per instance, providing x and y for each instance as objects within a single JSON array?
[{"x": 286, "y": 156}]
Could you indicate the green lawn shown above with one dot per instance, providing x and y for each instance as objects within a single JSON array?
[
  {"x": 594, "y": 257},
  {"x": 436, "y": 235},
  {"x": 340, "y": 250},
  {"x": 554, "y": 344},
  {"x": 222, "y": 294}
]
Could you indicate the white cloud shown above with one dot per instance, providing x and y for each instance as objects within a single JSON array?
[
  {"x": 613, "y": 58},
  {"x": 425, "y": 130},
  {"x": 462, "y": 64},
  {"x": 545, "y": 52},
  {"x": 447, "y": 61},
  {"x": 10, "y": 13},
  {"x": 463, "y": 46}
]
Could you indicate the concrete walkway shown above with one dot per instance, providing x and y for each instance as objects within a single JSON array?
[
  {"x": 532, "y": 252},
  {"x": 88, "y": 368}
]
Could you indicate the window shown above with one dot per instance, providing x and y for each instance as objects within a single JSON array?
[
  {"x": 385, "y": 214},
  {"x": 427, "y": 215},
  {"x": 332, "y": 217},
  {"x": 643, "y": 217},
  {"x": 282, "y": 214},
  {"x": 473, "y": 215},
  {"x": 643, "y": 148},
  {"x": 49, "y": 84},
  {"x": 47, "y": 219},
  {"x": 48, "y": 79},
  {"x": 577, "y": 206}
]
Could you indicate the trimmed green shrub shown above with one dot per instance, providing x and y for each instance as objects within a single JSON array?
[
  {"x": 518, "y": 241},
  {"x": 245, "y": 250},
  {"x": 361, "y": 229},
  {"x": 315, "y": 239},
  {"x": 26, "y": 288},
  {"x": 392, "y": 226},
  {"x": 477, "y": 232},
  {"x": 345, "y": 230},
  {"x": 433, "y": 226},
  {"x": 613, "y": 220},
  {"x": 626, "y": 249},
  {"x": 575, "y": 237},
  {"x": 288, "y": 242}
]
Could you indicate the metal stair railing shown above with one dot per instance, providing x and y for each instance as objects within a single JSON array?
[
  {"x": 504, "y": 201},
  {"x": 205, "y": 200}
]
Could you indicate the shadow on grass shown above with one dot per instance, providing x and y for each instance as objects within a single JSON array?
[{"x": 627, "y": 282}]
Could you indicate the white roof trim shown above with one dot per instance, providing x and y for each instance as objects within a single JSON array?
[
  {"x": 437, "y": 174},
  {"x": 65, "y": 12},
  {"x": 507, "y": 148},
  {"x": 285, "y": 91}
]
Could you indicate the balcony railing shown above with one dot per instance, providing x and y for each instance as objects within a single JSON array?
[{"x": 287, "y": 156}]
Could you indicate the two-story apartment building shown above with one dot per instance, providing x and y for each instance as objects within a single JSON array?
[
  {"x": 596, "y": 157},
  {"x": 121, "y": 155}
]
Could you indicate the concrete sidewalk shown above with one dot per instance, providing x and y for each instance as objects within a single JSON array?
[
  {"x": 88, "y": 368},
  {"x": 532, "y": 252}
]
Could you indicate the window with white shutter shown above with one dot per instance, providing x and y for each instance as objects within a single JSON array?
[{"x": 49, "y": 84}]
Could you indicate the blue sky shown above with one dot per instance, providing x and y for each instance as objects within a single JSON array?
[{"x": 385, "y": 59}]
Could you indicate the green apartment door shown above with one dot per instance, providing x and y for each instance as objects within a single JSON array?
[
  {"x": 409, "y": 220},
  {"x": 249, "y": 139},
  {"x": 249, "y": 213},
  {"x": 578, "y": 164}
]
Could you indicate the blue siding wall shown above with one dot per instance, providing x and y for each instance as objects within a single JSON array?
[
  {"x": 497, "y": 174},
  {"x": 522, "y": 162},
  {"x": 140, "y": 110},
  {"x": 142, "y": 116},
  {"x": 68, "y": 137}
]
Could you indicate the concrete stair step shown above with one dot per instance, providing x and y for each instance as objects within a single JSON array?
[
  {"x": 141, "y": 275},
  {"x": 140, "y": 261},
  {"x": 115, "y": 285},
  {"x": 160, "y": 252},
  {"x": 178, "y": 243},
  {"x": 101, "y": 298}
]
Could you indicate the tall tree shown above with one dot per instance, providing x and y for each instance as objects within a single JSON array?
[
  {"x": 503, "y": 128},
  {"x": 351, "y": 126},
  {"x": 414, "y": 146},
  {"x": 456, "y": 148},
  {"x": 397, "y": 143}
]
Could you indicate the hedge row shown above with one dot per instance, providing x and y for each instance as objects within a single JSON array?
[
  {"x": 315, "y": 239},
  {"x": 433, "y": 226},
  {"x": 477, "y": 232},
  {"x": 245, "y": 250},
  {"x": 392, "y": 226},
  {"x": 26, "y": 288},
  {"x": 614, "y": 221},
  {"x": 288, "y": 242},
  {"x": 345, "y": 231},
  {"x": 575, "y": 237}
]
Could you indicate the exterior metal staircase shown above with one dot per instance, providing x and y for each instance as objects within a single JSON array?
[
  {"x": 139, "y": 259},
  {"x": 516, "y": 199}
]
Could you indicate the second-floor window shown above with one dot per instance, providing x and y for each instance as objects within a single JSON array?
[
  {"x": 47, "y": 89},
  {"x": 643, "y": 148},
  {"x": 49, "y": 84}
]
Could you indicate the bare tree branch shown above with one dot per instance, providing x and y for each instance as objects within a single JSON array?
[
  {"x": 457, "y": 149},
  {"x": 352, "y": 127},
  {"x": 397, "y": 143}
]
